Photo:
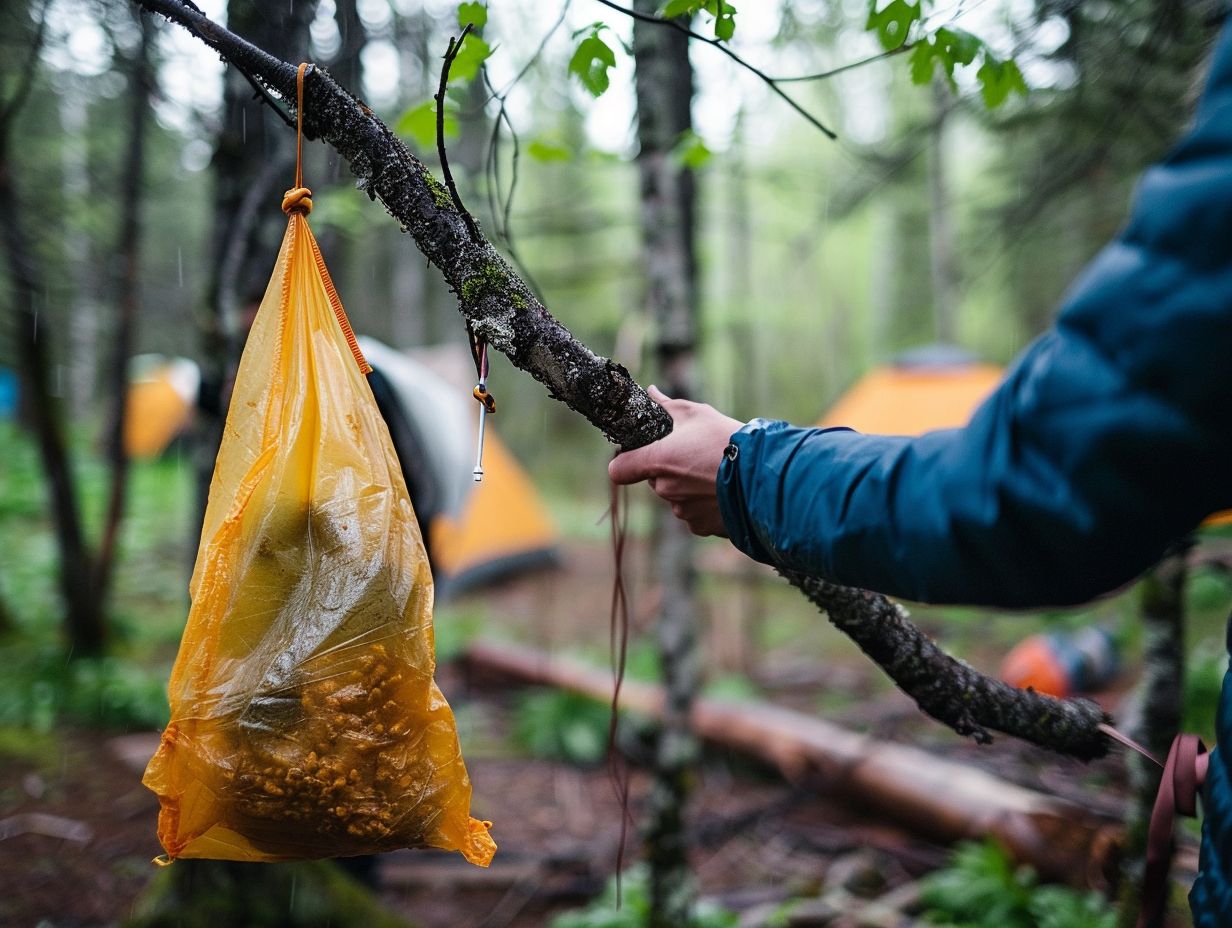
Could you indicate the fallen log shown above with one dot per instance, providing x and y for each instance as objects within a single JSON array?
[{"x": 941, "y": 799}]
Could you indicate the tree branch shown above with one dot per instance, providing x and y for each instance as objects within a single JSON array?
[
  {"x": 770, "y": 82},
  {"x": 503, "y": 310},
  {"x": 499, "y": 306}
]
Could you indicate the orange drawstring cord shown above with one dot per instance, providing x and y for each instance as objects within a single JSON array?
[
  {"x": 298, "y": 202},
  {"x": 299, "y": 198}
]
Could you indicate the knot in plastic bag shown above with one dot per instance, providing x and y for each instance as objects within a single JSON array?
[{"x": 297, "y": 200}]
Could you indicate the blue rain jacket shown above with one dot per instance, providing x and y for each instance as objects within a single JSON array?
[{"x": 1110, "y": 438}]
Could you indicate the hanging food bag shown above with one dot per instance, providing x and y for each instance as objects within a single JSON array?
[{"x": 305, "y": 721}]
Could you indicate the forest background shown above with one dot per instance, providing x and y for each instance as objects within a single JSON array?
[{"x": 932, "y": 218}]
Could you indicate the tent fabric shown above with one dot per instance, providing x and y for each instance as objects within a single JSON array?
[
  {"x": 480, "y": 531},
  {"x": 159, "y": 405},
  {"x": 910, "y": 399}
]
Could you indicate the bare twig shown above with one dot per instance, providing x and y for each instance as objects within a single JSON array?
[
  {"x": 770, "y": 82},
  {"x": 502, "y": 210},
  {"x": 843, "y": 68},
  {"x": 450, "y": 54}
]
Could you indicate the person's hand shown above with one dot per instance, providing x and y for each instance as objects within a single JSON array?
[{"x": 681, "y": 468}]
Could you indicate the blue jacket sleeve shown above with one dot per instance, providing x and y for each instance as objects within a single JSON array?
[{"x": 1110, "y": 437}]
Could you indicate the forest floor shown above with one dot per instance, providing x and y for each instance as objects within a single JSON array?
[{"x": 77, "y": 828}]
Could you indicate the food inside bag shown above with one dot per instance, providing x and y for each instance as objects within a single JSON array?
[{"x": 305, "y": 721}]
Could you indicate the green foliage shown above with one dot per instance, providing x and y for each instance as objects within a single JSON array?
[
  {"x": 592, "y": 59},
  {"x": 472, "y": 14},
  {"x": 722, "y": 14},
  {"x": 691, "y": 152},
  {"x": 546, "y": 150},
  {"x": 453, "y": 629},
  {"x": 998, "y": 79},
  {"x": 419, "y": 123},
  {"x": 41, "y": 689},
  {"x": 892, "y": 23},
  {"x": 559, "y": 725},
  {"x": 1203, "y": 685},
  {"x": 981, "y": 888},
  {"x": 733, "y": 687},
  {"x": 470, "y": 58},
  {"x": 634, "y": 911}
]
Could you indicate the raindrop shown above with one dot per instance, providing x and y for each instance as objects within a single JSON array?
[
  {"x": 244, "y": 126},
  {"x": 35, "y": 333},
  {"x": 179, "y": 263}
]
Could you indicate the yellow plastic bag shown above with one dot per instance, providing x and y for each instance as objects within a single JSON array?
[{"x": 305, "y": 721}]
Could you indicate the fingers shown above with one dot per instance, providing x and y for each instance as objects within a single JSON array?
[
  {"x": 633, "y": 466},
  {"x": 659, "y": 396}
]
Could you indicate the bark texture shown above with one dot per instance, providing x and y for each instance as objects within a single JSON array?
[
  {"x": 503, "y": 309},
  {"x": 1160, "y": 693},
  {"x": 128, "y": 295},
  {"x": 951, "y": 691},
  {"x": 664, "y": 92}
]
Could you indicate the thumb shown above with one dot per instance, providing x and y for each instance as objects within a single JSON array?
[
  {"x": 632, "y": 466},
  {"x": 658, "y": 395}
]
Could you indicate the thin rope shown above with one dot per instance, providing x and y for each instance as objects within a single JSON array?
[
  {"x": 618, "y": 631},
  {"x": 299, "y": 123}
]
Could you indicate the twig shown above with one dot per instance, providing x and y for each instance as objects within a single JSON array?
[
  {"x": 450, "y": 54},
  {"x": 502, "y": 309},
  {"x": 770, "y": 82},
  {"x": 842, "y": 68},
  {"x": 501, "y": 211}
]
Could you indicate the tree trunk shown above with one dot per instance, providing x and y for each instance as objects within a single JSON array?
[
  {"x": 664, "y": 88},
  {"x": 940, "y": 221},
  {"x": 1160, "y": 694},
  {"x": 83, "y": 611},
  {"x": 128, "y": 295},
  {"x": 253, "y": 163},
  {"x": 83, "y": 321}
]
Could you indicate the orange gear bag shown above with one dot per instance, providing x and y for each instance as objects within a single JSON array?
[{"x": 305, "y": 721}]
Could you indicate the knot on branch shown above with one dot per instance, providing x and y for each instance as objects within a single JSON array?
[{"x": 297, "y": 200}]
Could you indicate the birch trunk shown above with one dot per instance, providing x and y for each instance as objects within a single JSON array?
[{"x": 664, "y": 89}]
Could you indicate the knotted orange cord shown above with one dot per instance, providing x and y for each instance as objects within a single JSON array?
[{"x": 297, "y": 204}]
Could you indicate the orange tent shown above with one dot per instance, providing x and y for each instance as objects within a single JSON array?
[
  {"x": 485, "y": 530},
  {"x": 159, "y": 406},
  {"x": 936, "y": 387}
]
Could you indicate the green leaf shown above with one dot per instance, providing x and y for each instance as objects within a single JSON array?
[
  {"x": 472, "y": 14},
  {"x": 998, "y": 79},
  {"x": 419, "y": 124},
  {"x": 724, "y": 19},
  {"x": 470, "y": 58},
  {"x": 893, "y": 23},
  {"x": 674, "y": 8},
  {"x": 547, "y": 151},
  {"x": 923, "y": 61},
  {"x": 590, "y": 63},
  {"x": 960, "y": 46},
  {"x": 690, "y": 151}
]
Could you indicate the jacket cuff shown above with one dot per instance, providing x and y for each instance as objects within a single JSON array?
[{"x": 740, "y": 456}]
